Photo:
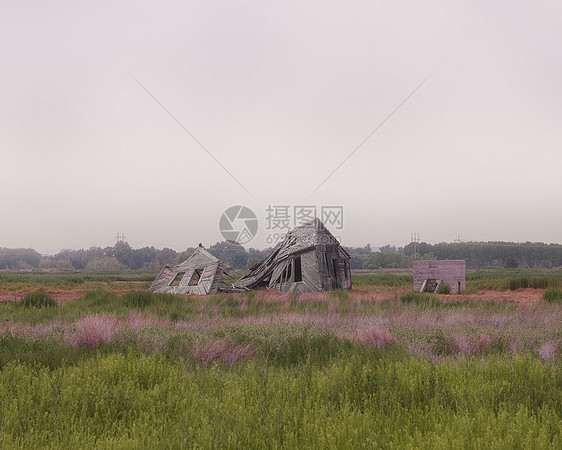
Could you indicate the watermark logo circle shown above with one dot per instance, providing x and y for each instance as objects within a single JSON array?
[{"x": 238, "y": 224}]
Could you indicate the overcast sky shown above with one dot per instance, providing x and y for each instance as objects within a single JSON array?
[{"x": 280, "y": 93}]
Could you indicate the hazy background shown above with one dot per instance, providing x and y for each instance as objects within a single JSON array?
[{"x": 280, "y": 93}]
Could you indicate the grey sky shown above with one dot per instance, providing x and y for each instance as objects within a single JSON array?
[{"x": 280, "y": 93}]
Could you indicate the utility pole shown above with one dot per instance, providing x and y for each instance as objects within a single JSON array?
[
  {"x": 415, "y": 237},
  {"x": 412, "y": 242}
]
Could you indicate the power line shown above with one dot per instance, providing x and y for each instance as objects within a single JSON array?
[
  {"x": 191, "y": 135},
  {"x": 415, "y": 240},
  {"x": 370, "y": 134},
  {"x": 486, "y": 244}
]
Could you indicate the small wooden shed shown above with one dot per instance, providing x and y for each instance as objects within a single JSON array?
[
  {"x": 200, "y": 274},
  {"x": 309, "y": 259}
]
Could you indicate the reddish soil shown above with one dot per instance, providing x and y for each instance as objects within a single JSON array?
[
  {"x": 519, "y": 295},
  {"x": 122, "y": 287},
  {"x": 63, "y": 295}
]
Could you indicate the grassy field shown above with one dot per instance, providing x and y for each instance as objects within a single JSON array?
[{"x": 377, "y": 367}]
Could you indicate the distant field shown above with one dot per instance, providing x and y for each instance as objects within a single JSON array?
[
  {"x": 376, "y": 367},
  {"x": 493, "y": 279},
  {"x": 68, "y": 286}
]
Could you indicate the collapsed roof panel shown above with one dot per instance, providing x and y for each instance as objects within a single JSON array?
[
  {"x": 309, "y": 259},
  {"x": 200, "y": 274}
]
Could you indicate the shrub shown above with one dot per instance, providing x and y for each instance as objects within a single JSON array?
[
  {"x": 38, "y": 299},
  {"x": 471, "y": 290},
  {"x": 461, "y": 343},
  {"x": 553, "y": 295},
  {"x": 138, "y": 299},
  {"x": 524, "y": 282},
  {"x": 98, "y": 297},
  {"x": 444, "y": 288},
  {"x": 91, "y": 331},
  {"x": 378, "y": 279},
  {"x": 376, "y": 336},
  {"x": 222, "y": 350},
  {"x": 50, "y": 352},
  {"x": 417, "y": 298}
]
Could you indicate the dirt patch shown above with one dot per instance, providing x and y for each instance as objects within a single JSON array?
[
  {"x": 519, "y": 295},
  {"x": 65, "y": 295},
  {"x": 377, "y": 293}
]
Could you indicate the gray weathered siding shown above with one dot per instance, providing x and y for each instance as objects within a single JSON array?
[{"x": 451, "y": 272}]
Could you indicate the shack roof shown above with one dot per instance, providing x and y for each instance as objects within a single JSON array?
[
  {"x": 199, "y": 274},
  {"x": 299, "y": 240},
  {"x": 200, "y": 259}
]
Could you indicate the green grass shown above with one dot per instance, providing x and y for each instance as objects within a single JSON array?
[
  {"x": 501, "y": 279},
  {"x": 49, "y": 280},
  {"x": 553, "y": 295},
  {"x": 38, "y": 299},
  {"x": 444, "y": 289},
  {"x": 493, "y": 279},
  {"x": 512, "y": 279},
  {"x": 362, "y": 400},
  {"x": 45, "y": 354},
  {"x": 419, "y": 298},
  {"x": 262, "y": 303},
  {"x": 381, "y": 279},
  {"x": 455, "y": 373},
  {"x": 100, "y": 301}
]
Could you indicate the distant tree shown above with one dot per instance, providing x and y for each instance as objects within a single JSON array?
[
  {"x": 77, "y": 258},
  {"x": 142, "y": 257},
  {"x": 123, "y": 252},
  {"x": 383, "y": 260},
  {"x": 476, "y": 255},
  {"x": 231, "y": 253},
  {"x": 255, "y": 256},
  {"x": 359, "y": 250},
  {"x": 105, "y": 264},
  {"x": 19, "y": 258},
  {"x": 511, "y": 263},
  {"x": 63, "y": 265},
  {"x": 166, "y": 256},
  {"x": 182, "y": 256}
]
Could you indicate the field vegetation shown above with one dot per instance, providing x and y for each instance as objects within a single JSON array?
[{"x": 378, "y": 367}]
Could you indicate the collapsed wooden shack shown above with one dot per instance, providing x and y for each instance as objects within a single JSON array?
[
  {"x": 309, "y": 259},
  {"x": 200, "y": 274}
]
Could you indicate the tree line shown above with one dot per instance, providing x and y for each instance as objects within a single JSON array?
[
  {"x": 122, "y": 257},
  {"x": 496, "y": 254}
]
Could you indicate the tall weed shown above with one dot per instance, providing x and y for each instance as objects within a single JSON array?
[{"x": 38, "y": 299}]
